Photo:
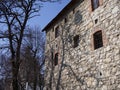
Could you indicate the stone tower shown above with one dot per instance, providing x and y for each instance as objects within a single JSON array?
[{"x": 83, "y": 47}]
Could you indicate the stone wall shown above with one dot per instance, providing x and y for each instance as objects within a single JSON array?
[{"x": 83, "y": 68}]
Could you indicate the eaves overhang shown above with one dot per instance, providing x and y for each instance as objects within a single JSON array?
[{"x": 62, "y": 14}]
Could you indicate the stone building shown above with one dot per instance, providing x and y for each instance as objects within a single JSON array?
[{"x": 83, "y": 47}]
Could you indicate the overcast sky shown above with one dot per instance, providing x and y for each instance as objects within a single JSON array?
[{"x": 47, "y": 13}]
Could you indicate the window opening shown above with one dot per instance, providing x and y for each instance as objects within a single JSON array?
[
  {"x": 52, "y": 56},
  {"x": 56, "y": 59},
  {"x": 95, "y": 4},
  {"x": 65, "y": 20},
  {"x": 56, "y": 32},
  {"x": 76, "y": 41},
  {"x": 98, "y": 42},
  {"x": 96, "y": 21}
]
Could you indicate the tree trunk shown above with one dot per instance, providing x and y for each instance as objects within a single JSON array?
[
  {"x": 35, "y": 83},
  {"x": 15, "y": 83},
  {"x": 35, "y": 76},
  {"x": 15, "y": 76}
]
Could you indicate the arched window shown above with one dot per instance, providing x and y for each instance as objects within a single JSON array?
[
  {"x": 56, "y": 59},
  {"x": 98, "y": 39}
]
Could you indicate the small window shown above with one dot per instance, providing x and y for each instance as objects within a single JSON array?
[
  {"x": 96, "y": 21},
  {"x": 52, "y": 56},
  {"x": 76, "y": 41},
  {"x": 73, "y": 10},
  {"x": 53, "y": 30},
  {"x": 95, "y": 4},
  {"x": 65, "y": 20},
  {"x": 56, "y": 59},
  {"x": 98, "y": 41},
  {"x": 56, "y": 32}
]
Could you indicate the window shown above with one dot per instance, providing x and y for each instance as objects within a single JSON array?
[
  {"x": 65, "y": 20},
  {"x": 56, "y": 59},
  {"x": 95, "y": 4},
  {"x": 76, "y": 41},
  {"x": 53, "y": 30},
  {"x": 96, "y": 21},
  {"x": 98, "y": 41},
  {"x": 73, "y": 10},
  {"x": 52, "y": 56},
  {"x": 56, "y": 32}
]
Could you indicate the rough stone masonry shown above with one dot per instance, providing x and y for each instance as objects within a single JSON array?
[{"x": 71, "y": 38}]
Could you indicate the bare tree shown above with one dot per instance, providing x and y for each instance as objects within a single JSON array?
[
  {"x": 5, "y": 67},
  {"x": 34, "y": 54},
  {"x": 15, "y": 15},
  {"x": 5, "y": 71}
]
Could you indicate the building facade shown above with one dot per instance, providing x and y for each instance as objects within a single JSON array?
[{"x": 83, "y": 47}]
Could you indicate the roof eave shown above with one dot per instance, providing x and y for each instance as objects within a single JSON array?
[{"x": 61, "y": 14}]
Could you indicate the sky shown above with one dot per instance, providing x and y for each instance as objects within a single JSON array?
[{"x": 47, "y": 13}]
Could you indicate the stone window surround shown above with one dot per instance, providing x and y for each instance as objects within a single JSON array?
[{"x": 105, "y": 41}]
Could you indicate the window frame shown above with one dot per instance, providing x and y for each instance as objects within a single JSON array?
[{"x": 98, "y": 39}]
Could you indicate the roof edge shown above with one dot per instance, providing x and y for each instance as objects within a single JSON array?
[{"x": 61, "y": 14}]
